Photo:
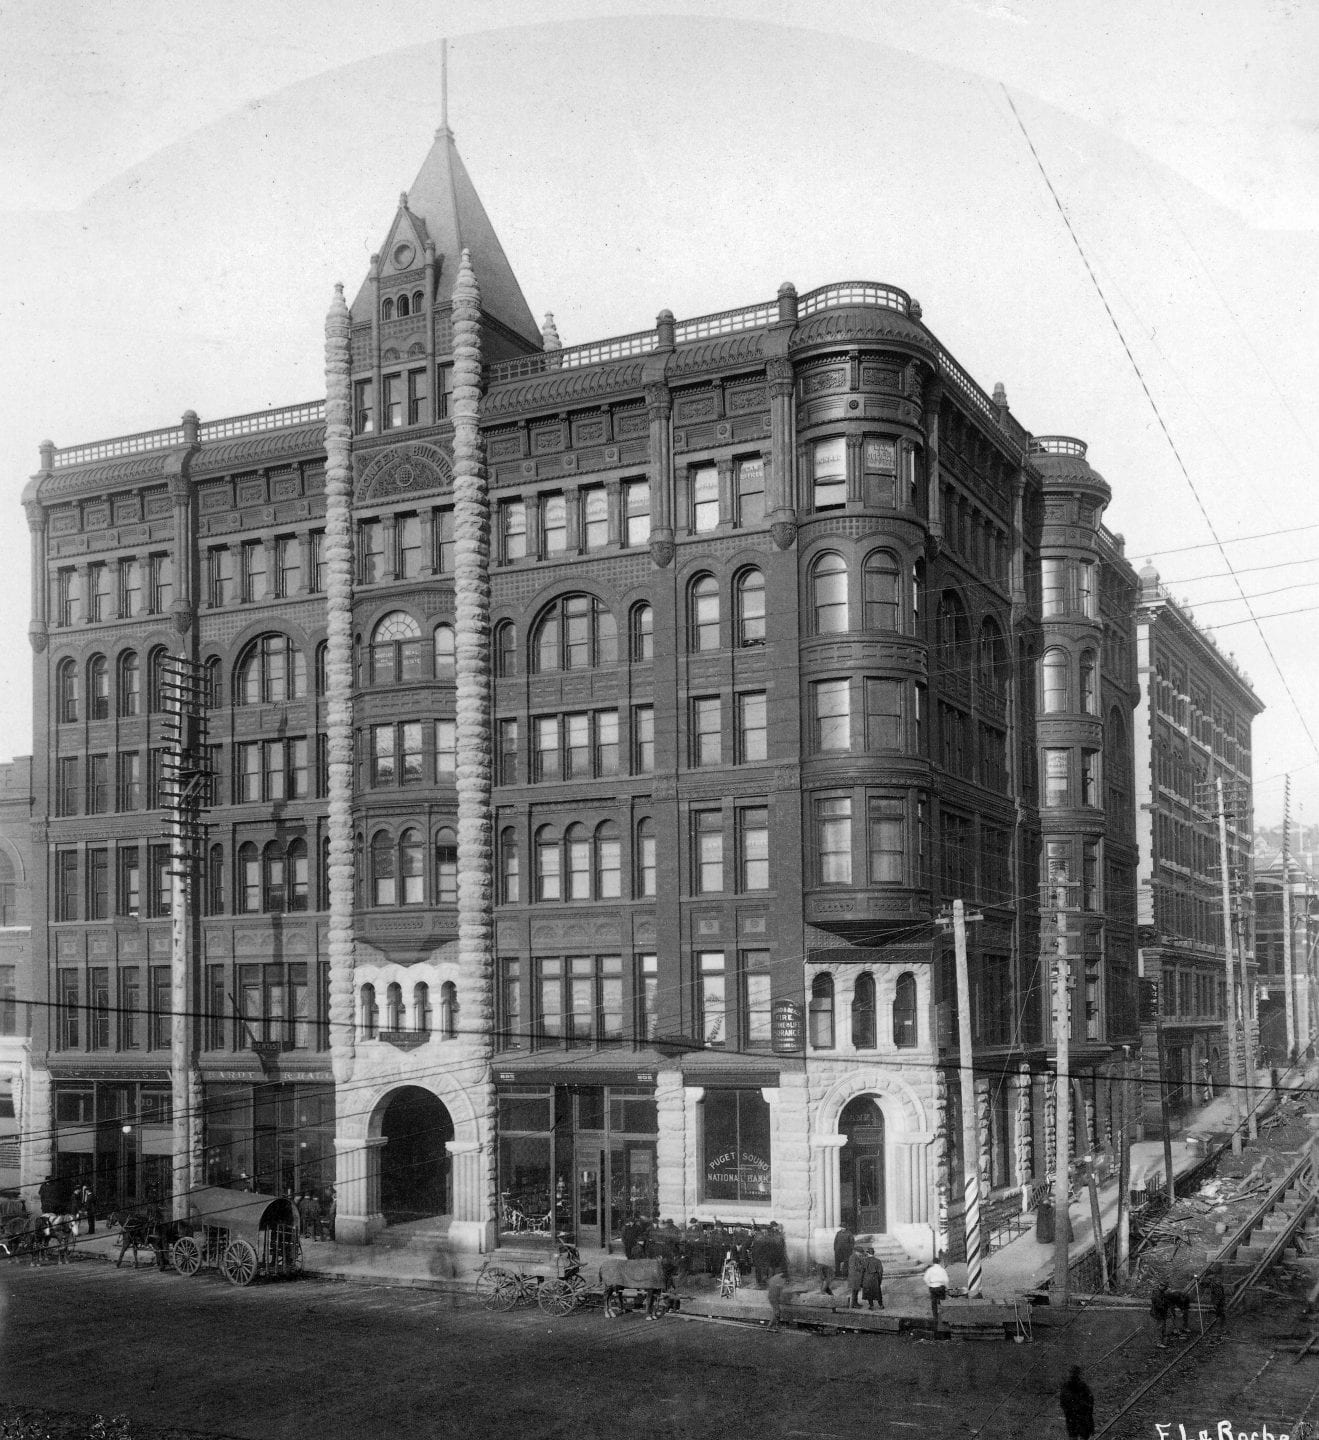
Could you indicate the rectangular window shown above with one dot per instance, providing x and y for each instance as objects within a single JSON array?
[
  {"x": 832, "y": 718},
  {"x": 1090, "y": 777},
  {"x": 735, "y": 1144},
  {"x": 752, "y": 727},
  {"x": 407, "y": 543},
  {"x": 384, "y": 755},
  {"x": 708, "y": 848},
  {"x": 247, "y": 772},
  {"x": 508, "y": 752},
  {"x": 410, "y": 753},
  {"x": 888, "y": 841},
  {"x": 68, "y": 597},
  {"x": 884, "y": 728},
  {"x": 130, "y": 589},
  {"x": 1090, "y": 896},
  {"x": 161, "y": 880},
  {"x": 510, "y": 1004},
  {"x": 829, "y": 473},
  {"x": 130, "y": 881},
  {"x": 370, "y": 552},
  {"x": 707, "y": 730},
  {"x": 319, "y": 568},
  {"x": 549, "y": 1003},
  {"x": 646, "y": 861},
  {"x": 98, "y": 784},
  {"x": 160, "y": 573},
  {"x": 66, "y": 884},
  {"x": 576, "y": 746},
  {"x": 98, "y": 884},
  {"x": 8, "y": 1000},
  {"x": 753, "y": 848},
  {"x": 513, "y": 530},
  {"x": 66, "y": 785},
  {"x": 254, "y": 570},
  {"x": 443, "y": 391},
  {"x": 647, "y": 997},
  {"x": 1057, "y": 777},
  {"x": 223, "y": 583},
  {"x": 363, "y": 407},
  {"x": 288, "y": 565},
  {"x": 1053, "y": 586},
  {"x": 130, "y": 1008},
  {"x": 711, "y": 997},
  {"x": 594, "y": 504},
  {"x": 417, "y": 410},
  {"x": 833, "y": 840},
  {"x": 636, "y": 512},
  {"x": 217, "y": 1007},
  {"x": 643, "y": 739},
  {"x": 756, "y": 1006},
  {"x": 606, "y": 742},
  {"x": 545, "y": 756},
  {"x": 705, "y": 498},
  {"x": 273, "y": 774},
  {"x": 99, "y": 584},
  {"x": 444, "y": 542},
  {"x": 880, "y": 483},
  {"x": 750, "y": 479},
  {"x": 391, "y": 414},
  {"x": 553, "y": 525},
  {"x": 98, "y": 1018},
  {"x": 70, "y": 1007},
  {"x": 446, "y": 748},
  {"x": 160, "y": 1008}
]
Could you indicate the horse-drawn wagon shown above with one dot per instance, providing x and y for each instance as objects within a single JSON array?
[
  {"x": 622, "y": 1285},
  {"x": 240, "y": 1234}
]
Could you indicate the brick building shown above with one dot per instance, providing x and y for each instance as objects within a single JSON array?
[
  {"x": 595, "y": 736},
  {"x": 1193, "y": 726},
  {"x": 15, "y": 965}
]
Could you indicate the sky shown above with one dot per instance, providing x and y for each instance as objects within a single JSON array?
[{"x": 180, "y": 188}]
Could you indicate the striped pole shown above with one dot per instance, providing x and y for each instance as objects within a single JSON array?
[{"x": 970, "y": 1127}]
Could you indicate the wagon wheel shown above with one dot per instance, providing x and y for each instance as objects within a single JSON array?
[
  {"x": 614, "y": 1304},
  {"x": 293, "y": 1258},
  {"x": 506, "y": 1293},
  {"x": 186, "y": 1255},
  {"x": 238, "y": 1263},
  {"x": 488, "y": 1281},
  {"x": 557, "y": 1297}
]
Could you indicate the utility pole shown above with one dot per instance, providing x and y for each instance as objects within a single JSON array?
[
  {"x": 1228, "y": 958},
  {"x": 1287, "y": 918},
  {"x": 1062, "y": 1021},
  {"x": 970, "y": 1126},
  {"x": 1124, "y": 1175},
  {"x": 1248, "y": 1049},
  {"x": 1166, "y": 1122}
]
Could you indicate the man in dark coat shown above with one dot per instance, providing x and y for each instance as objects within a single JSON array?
[
  {"x": 631, "y": 1233},
  {"x": 872, "y": 1280},
  {"x": 1078, "y": 1406},
  {"x": 844, "y": 1244},
  {"x": 760, "y": 1256},
  {"x": 856, "y": 1274}
]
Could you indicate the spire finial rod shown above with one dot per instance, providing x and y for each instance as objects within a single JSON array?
[{"x": 444, "y": 84}]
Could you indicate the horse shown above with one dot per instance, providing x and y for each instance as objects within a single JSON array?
[
  {"x": 53, "y": 1234},
  {"x": 150, "y": 1231},
  {"x": 650, "y": 1277}
]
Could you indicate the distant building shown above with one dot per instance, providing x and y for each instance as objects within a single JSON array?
[
  {"x": 1274, "y": 915},
  {"x": 595, "y": 737},
  {"x": 1193, "y": 729},
  {"x": 16, "y": 975}
]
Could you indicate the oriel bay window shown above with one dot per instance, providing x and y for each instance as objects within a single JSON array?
[
  {"x": 880, "y": 478},
  {"x": 829, "y": 473},
  {"x": 396, "y": 649},
  {"x": 832, "y": 714},
  {"x": 881, "y": 592},
  {"x": 833, "y": 839},
  {"x": 829, "y": 607},
  {"x": 888, "y": 841},
  {"x": 396, "y": 753},
  {"x": 735, "y": 1145},
  {"x": 884, "y": 714}
]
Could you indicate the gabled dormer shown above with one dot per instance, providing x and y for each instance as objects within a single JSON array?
[{"x": 401, "y": 332}]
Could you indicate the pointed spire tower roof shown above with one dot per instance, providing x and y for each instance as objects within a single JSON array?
[{"x": 443, "y": 209}]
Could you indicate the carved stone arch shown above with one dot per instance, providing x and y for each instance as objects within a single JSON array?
[
  {"x": 403, "y": 471},
  {"x": 904, "y": 1108},
  {"x": 16, "y": 858}
]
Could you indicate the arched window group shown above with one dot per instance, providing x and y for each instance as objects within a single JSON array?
[
  {"x": 271, "y": 670},
  {"x": 395, "y": 649},
  {"x": 94, "y": 681},
  {"x": 704, "y": 611},
  {"x": 580, "y": 863},
  {"x": 406, "y": 1010},
  {"x": 1064, "y": 689},
  {"x": 401, "y": 306},
  {"x": 397, "y": 866},
  {"x": 882, "y": 602},
  {"x": 864, "y": 1015},
  {"x": 269, "y": 879},
  {"x": 575, "y": 632}
]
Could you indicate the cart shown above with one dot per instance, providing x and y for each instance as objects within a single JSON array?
[{"x": 240, "y": 1234}]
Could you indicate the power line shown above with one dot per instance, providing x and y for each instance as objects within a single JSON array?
[{"x": 1158, "y": 415}]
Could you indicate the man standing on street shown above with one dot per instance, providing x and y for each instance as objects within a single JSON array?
[
  {"x": 1078, "y": 1406},
  {"x": 936, "y": 1282}
]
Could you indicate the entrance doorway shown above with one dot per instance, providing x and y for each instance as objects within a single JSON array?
[
  {"x": 861, "y": 1167},
  {"x": 415, "y": 1178}
]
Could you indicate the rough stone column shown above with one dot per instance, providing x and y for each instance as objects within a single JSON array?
[
  {"x": 670, "y": 1147},
  {"x": 471, "y": 524},
  {"x": 825, "y": 1150},
  {"x": 1022, "y": 1157},
  {"x": 350, "y": 1177},
  {"x": 942, "y": 1160}
]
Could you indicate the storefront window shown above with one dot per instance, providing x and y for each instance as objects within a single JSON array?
[{"x": 736, "y": 1145}]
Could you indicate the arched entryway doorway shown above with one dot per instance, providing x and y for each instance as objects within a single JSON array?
[
  {"x": 415, "y": 1179},
  {"x": 861, "y": 1191}
]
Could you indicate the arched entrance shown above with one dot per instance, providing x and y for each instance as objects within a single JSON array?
[
  {"x": 414, "y": 1168},
  {"x": 861, "y": 1191}
]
